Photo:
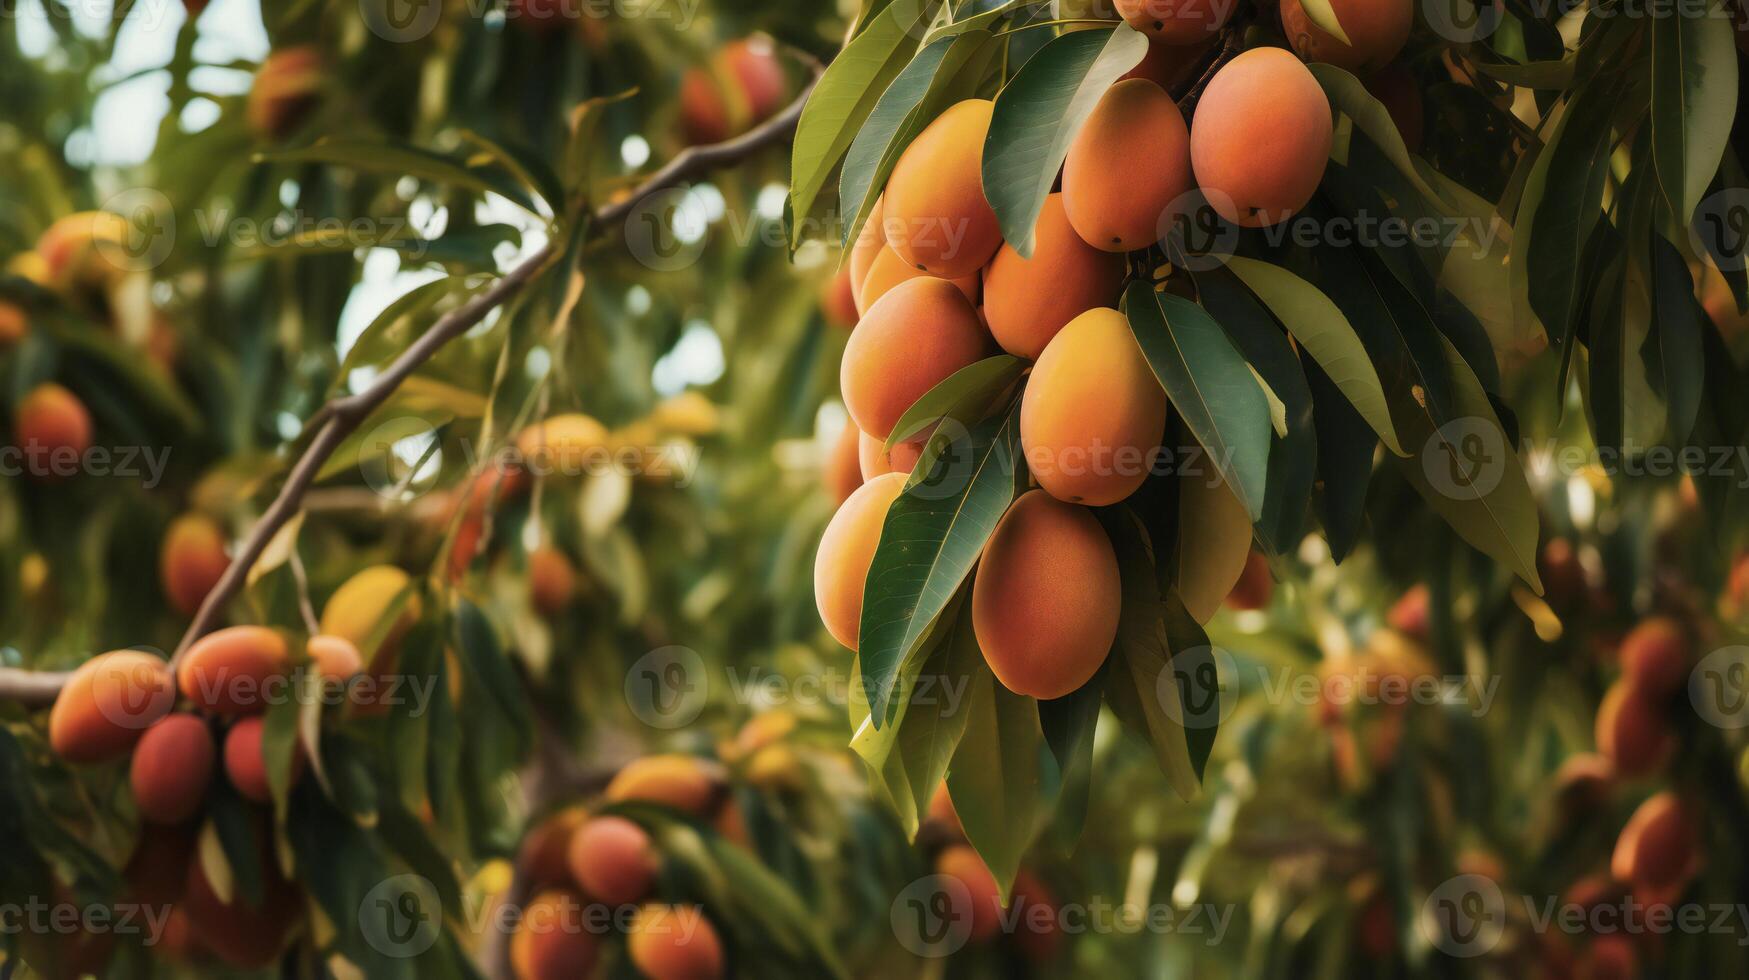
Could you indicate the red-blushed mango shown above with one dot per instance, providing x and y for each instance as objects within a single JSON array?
[
  {"x": 1026, "y": 301},
  {"x": 683, "y": 782},
  {"x": 1376, "y": 29},
  {"x": 1409, "y": 615},
  {"x": 674, "y": 942},
  {"x": 564, "y": 445},
  {"x": 753, "y": 63},
  {"x": 913, "y": 339},
  {"x": 1255, "y": 587},
  {"x": 356, "y": 610},
  {"x": 170, "y": 770},
  {"x": 842, "y": 473},
  {"x": 838, "y": 300},
  {"x": 246, "y": 765},
  {"x": 1261, "y": 138},
  {"x": 1177, "y": 21},
  {"x": 937, "y": 217},
  {"x": 875, "y": 460},
  {"x": 553, "y": 940},
  {"x": 1125, "y": 168},
  {"x": 614, "y": 860},
  {"x": 14, "y": 325},
  {"x": 52, "y": 429},
  {"x": 107, "y": 703},
  {"x": 758, "y": 89},
  {"x": 847, "y": 549},
  {"x": 552, "y": 580},
  {"x": 227, "y": 671},
  {"x": 1045, "y": 600},
  {"x": 545, "y": 854},
  {"x": 244, "y": 936},
  {"x": 1633, "y": 731},
  {"x": 191, "y": 561},
  {"x": 705, "y": 115},
  {"x": 980, "y": 905},
  {"x": 1400, "y": 94},
  {"x": 287, "y": 86},
  {"x": 334, "y": 658},
  {"x": 1654, "y": 656},
  {"x": 1093, "y": 413},
  {"x": 888, "y": 270},
  {"x": 1659, "y": 845}
]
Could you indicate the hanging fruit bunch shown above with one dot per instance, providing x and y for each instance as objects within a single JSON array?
[{"x": 1139, "y": 289}]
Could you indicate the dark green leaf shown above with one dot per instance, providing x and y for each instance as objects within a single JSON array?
[
  {"x": 1210, "y": 384},
  {"x": 933, "y": 536},
  {"x": 1038, "y": 114}
]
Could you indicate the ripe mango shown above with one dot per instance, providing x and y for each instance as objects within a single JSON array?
[
  {"x": 910, "y": 341},
  {"x": 937, "y": 217},
  {"x": 1261, "y": 138},
  {"x": 888, "y": 270},
  {"x": 614, "y": 860},
  {"x": 170, "y": 770},
  {"x": 1046, "y": 597},
  {"x": 1093, "y": 413},
  {"x": 847, "y": 550},
  {"x": 1127, "y": 165},
  {"x": 1026, "y": 301},
  {"x": 107, "y": 704},
  {"x": 1177, "y": 21},
  {"x": 674, "y": 942},
  {"x": 191, "y": 561},
  {"x": 226, "y": 671}
]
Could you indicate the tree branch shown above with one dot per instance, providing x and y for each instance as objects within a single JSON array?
[{"x": 337, "y": 419}]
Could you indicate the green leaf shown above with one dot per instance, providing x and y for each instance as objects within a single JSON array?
[
  {"x": 910, "y": 755},
  {"x": 490, "y": 671},
  {"x": 393, "y": 329},
  {"x": 401, "y": 160},
  {"x": 1694, "y": 103},
  {"x": 1348, "y": 96},
  {"x": 1141, "y": 657},
  {"x": 1037, "y": 115},
  {"x": 929, "y": 84},
  {"x": 1547, "y": 75},
  {"x": 1293, "y": 452},
  {"x": 933, "y": 536},
  {"x": 1321, "y": 13},
  {"x": 1680, "y": 321},
  {"x": 1346, "y": 445},
  {"x": 1212, "y": 387},
  {"x": 1326, "y": 334},
  {"x": 995, "y": 776},
  {"x": 844, "y": 98},
  {"x": 964, "y": 396},
  {"x": 1469, "y": 472},
  {"x": 1561, "y": 205}
]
